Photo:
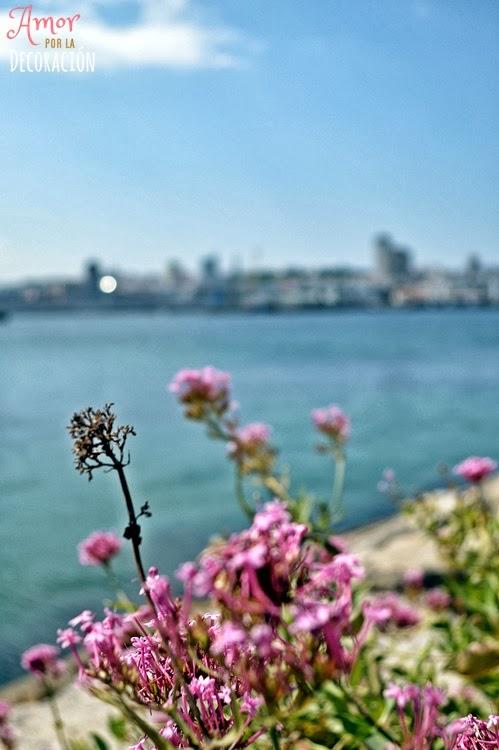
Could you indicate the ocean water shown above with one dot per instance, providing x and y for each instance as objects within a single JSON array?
[{"x": 421, "y": 387}]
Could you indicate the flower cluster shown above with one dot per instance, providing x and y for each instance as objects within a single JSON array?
[
  {"x": 475, "y": 468},
  {"x": 390, "y": 609},
  {"x": 250, "y": 447},
  {"x": 43, "y": 661},
  {"x": 332, "y": 422},
  {"x": 285, "y": 654},
  {"x": 471, "y": 733},
  {"x": 203, "y": 392},
  {"x": 167, "y": 662},
  {"x": 418, "y": 711},
  {"x": 280, "y": 599},
  {"x": 99, "y": 548},
  {"x": 283, "y": 597}
]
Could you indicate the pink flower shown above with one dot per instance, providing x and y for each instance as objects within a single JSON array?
[
  {"x": 159, "y": 590},
  {"x": 42, "y": 659},
  {"x": 99, "y": 548},
  {"x": 333, "y": 422},
  {"x": 253, "y": 435},
  {"x": 84, "y": 619},
  {"x": 471, "y": 733},
  {"x": 342, "y": 568},
  {"x": 68, "y": 638},
  {"x": 312, "y": 616},
  {"x": 414, "y": 578},
  {"x": 202, "y": 390},
  {"x": 389, "y": 608},
  {"x": 475, "y": 468},
  {"x": 422, "y": 705},
  {"x": 438, "y": 599},
  {"x": 401, "y": 694}
]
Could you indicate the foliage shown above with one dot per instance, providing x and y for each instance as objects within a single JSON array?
[{"x": 290, "y": 650}]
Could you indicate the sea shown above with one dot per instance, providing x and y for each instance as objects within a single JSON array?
[{"x": 421, "y": 388}]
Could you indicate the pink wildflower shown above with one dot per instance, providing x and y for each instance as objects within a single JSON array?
[
  {"x": 202, "y": 391},
  {"x": 475, "y": 468},
  {"x": 160, "y": 592},
  {"x": 99, "y": 548},
  {"x": 414, "y": 578},
  {"x": 471, "y": 733},
  {"x": 68, "y": 638},
  {"x": 342, "y": 568},
  {"x": 42, "y": 660},
  {"x": 421, "y": 705},
  {"x": 333, "y": 422},
  {"x": 253, "y": 435},
  {"x": 83, "y": 620},
  {"x": 438, "y": 599},
  {"x": 227, "y": 637},
  {"x": 390, "y": 608},
  {"x": 251, "y": 449},
  {"x": 255, "y": 565}
]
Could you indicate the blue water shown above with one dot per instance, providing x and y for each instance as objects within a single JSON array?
[{"x": 420, "y": 387}]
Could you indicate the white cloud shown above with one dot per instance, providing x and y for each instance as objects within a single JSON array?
[{"x": 167, "y": 33}]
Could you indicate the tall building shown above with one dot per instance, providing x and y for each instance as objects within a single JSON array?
[
  {"x": 210, "y": 269},
  {"x": 92, "y": 277},
  {"x": 393, "y": 262}
]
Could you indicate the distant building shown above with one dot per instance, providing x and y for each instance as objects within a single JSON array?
[
  {"x": 92, "y": 276},
  {"x": 473, "y": 269},
  {"x": 393, "y": 262},
  {"x": 210, "y": 269}
]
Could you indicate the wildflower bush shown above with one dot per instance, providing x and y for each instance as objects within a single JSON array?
[{"x": 277, "y": 642}]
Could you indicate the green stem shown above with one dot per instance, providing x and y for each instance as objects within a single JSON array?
[
  {"x": 275, "y": 486},
  {"x": 367, "y": 715},
  {"x": 241, "y": 498},
  {"x": 339, "y": 481},
  {"x": 274, "y": 738},
  {"x": 58, "y": 723},
  {"x": 144, "y": 726},
  {"x": 133, "y": 534}
]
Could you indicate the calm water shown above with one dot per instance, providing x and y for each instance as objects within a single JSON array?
[{"x": 420, "y": 387}]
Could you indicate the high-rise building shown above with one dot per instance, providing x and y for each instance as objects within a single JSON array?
[
  {"x": 92, "y": 276},
  {"x": 393, "y": 262},
  {"x": 210, "y": 269}
]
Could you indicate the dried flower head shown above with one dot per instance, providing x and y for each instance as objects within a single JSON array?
[{"x": 97, "y": 441}]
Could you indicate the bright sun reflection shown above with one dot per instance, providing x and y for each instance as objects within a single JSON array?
[{"x": 108, "y": 284}]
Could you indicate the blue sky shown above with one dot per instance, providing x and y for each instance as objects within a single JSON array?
[{"x": 279, "y": 132}]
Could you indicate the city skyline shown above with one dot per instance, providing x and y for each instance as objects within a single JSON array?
[
  {"x": 287, "y": 138},
  {"x": 234, "y": 264},
  {"x": 394, "y": 279}
]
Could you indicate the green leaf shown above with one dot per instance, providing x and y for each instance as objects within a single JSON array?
[
  {"x": 100, "y": 744},
  {"x": 118, "y": 727}
]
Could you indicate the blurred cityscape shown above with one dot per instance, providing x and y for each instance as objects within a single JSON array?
[{"x": 393, "y": 281}]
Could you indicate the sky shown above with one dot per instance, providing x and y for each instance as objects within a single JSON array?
[{"x": 281, "y": 132}]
